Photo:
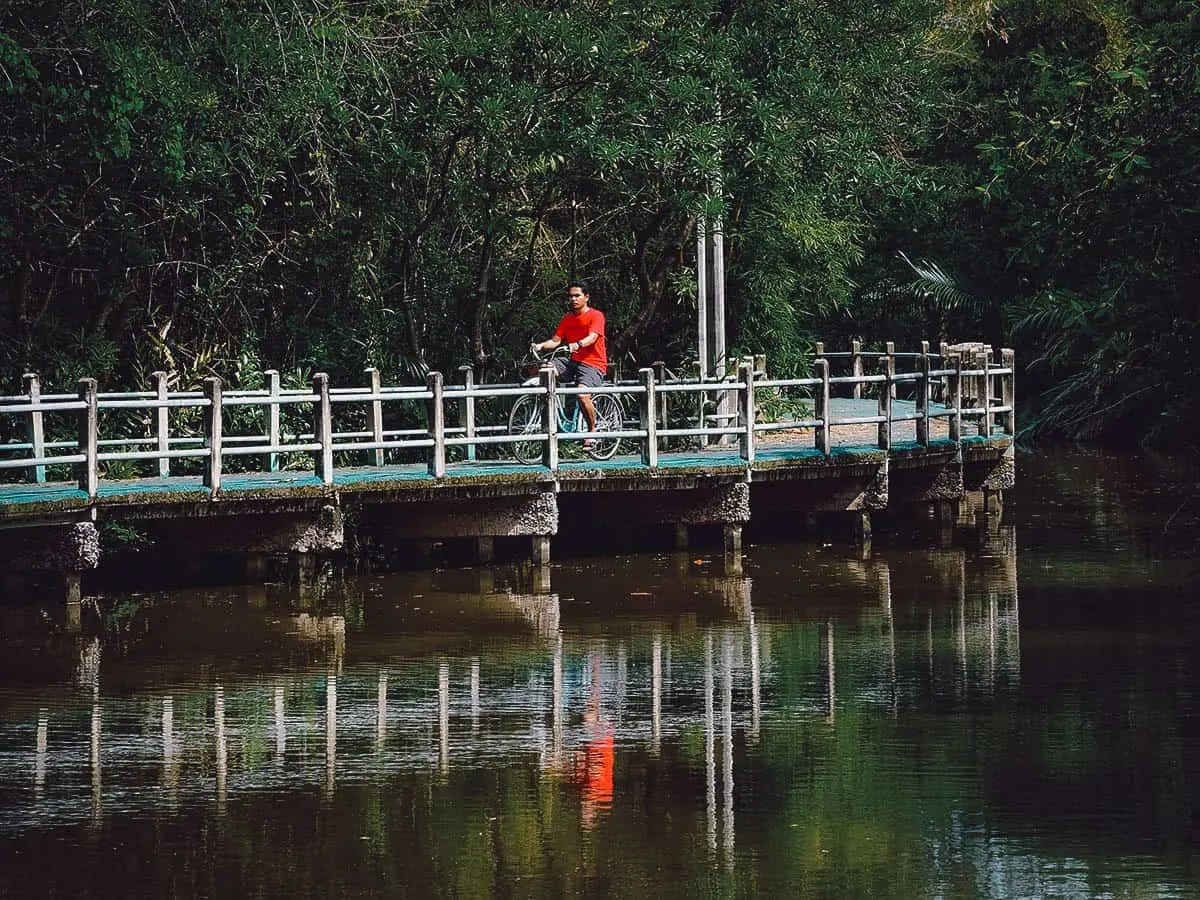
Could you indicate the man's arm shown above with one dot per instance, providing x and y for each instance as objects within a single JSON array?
[
  {"x": 547, "y": 345},
  {"x": 590, "y": 338}
]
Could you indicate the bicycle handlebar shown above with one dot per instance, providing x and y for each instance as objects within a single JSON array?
[{"x": 547, "y": 355}]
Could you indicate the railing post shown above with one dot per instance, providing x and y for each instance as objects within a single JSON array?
[
  {"x": 548, "y": 378},
  {"x": 437, "y": 425},
  {"x": 1008, "y": 383},
  {"x": 889, "y": 348},
  {"x": 746, "y": 411},
  {"x": 272, "y": 458},
  {"x": 162, "y": 422},
  {"x": 323, "y": 427},
  {"x": 820, "y": 349},
  {"x": 856, "y": 368},
  {"x": 648, "y": 413},
  {"x": 660, "y": 376},
  {"x": 956, "y": 398},
  {"x": 923, "y": 388},
  {"x": 821, "y": 406},
  {"x": 89, "y": 437},
  {"x": 213, "y": 423},
  {"x": 375, "y": 414},
  {"x": 927, "y": 366},
  {"x": 36, "y": 428},
  {"x": 988, "y": 416},
  {"x": 469, "y": 408},
  {"x": 887, "y": 365}
]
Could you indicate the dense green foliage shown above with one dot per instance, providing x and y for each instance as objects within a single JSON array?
[{"x": 225, "y": 187}]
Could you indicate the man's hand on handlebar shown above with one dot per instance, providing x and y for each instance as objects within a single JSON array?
[{"x": 535, "y": 350}]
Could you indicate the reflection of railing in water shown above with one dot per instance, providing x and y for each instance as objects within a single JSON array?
[{"x": 469, "y": 710}]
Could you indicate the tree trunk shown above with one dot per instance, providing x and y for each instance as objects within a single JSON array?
[{"x": 651, "y": 268}]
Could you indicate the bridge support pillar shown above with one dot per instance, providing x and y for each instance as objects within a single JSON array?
[
  {"x": 993, "y": 501},
  {"x": 945, "y": 512},
  {"x": 54, "y": 556},
  {"x": 302, "y": 568},
  {"x": 681, "y": 536},
  {"x": 485, "y": 550},
  {"x": 540, "y": 550},
  {"x": 256, "y": 566},
  {"x": 541, "y": 579},
  {"x": 861, "y": 524},
  {"x": 732, "y": 533}
]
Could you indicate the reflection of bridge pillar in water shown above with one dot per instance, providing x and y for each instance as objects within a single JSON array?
[
  {"x": 87, "y": 672},
  {"x": 994, "y": 580}
]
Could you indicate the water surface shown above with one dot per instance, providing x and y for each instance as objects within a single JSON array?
[{"x": 1012, "y": 716}]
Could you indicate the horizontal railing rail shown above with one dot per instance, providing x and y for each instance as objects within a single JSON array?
[{"x": 78, "y": 437}]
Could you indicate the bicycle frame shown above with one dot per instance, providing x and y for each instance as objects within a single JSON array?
[
  {"x": 525, "y": 417},
  {"x": 567, "y": 423}
]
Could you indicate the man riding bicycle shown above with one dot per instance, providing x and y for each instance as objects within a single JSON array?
[{"x": 583, "y": 331}]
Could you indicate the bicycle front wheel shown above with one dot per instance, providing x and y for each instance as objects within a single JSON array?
[
  {"x": 526, "y": 418},
  {"x": 609, "y": 417}
]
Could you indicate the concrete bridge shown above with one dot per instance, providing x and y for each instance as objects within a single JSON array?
[{"x": 314, "y": 470}]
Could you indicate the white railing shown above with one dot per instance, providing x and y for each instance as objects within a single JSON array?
[{"x": 76, "y": 437}]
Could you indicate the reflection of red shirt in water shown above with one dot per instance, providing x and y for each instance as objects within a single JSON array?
[{"x": 596, "y": 773}]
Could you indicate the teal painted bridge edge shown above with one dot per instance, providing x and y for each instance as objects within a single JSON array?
[{"x": 68, "y": 496}]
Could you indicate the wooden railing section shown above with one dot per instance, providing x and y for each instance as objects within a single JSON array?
[{"x": 162, "y": 432}]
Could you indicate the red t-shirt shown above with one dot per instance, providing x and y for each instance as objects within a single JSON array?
[{"x": 574, "y": 327}]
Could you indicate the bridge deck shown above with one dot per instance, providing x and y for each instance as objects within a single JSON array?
[{"x": 772, "y": 451}]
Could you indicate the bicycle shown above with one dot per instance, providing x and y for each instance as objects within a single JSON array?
[{"x": 526, "y": 417}]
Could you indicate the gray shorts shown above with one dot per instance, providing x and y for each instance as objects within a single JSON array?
[{"x": 578, "y": 373}]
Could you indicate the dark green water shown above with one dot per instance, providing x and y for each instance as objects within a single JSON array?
[{"x": 1017, "y": 717}]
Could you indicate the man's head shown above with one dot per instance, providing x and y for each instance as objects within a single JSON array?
[{"x": 577, "y": 296}]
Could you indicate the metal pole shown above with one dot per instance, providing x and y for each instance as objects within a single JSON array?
[{"x": 702, "y": 303}]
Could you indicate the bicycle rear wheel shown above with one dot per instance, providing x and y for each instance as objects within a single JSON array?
[
  {"x": 609, "y": 417},
  {"x": 526, "y": 418}
]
